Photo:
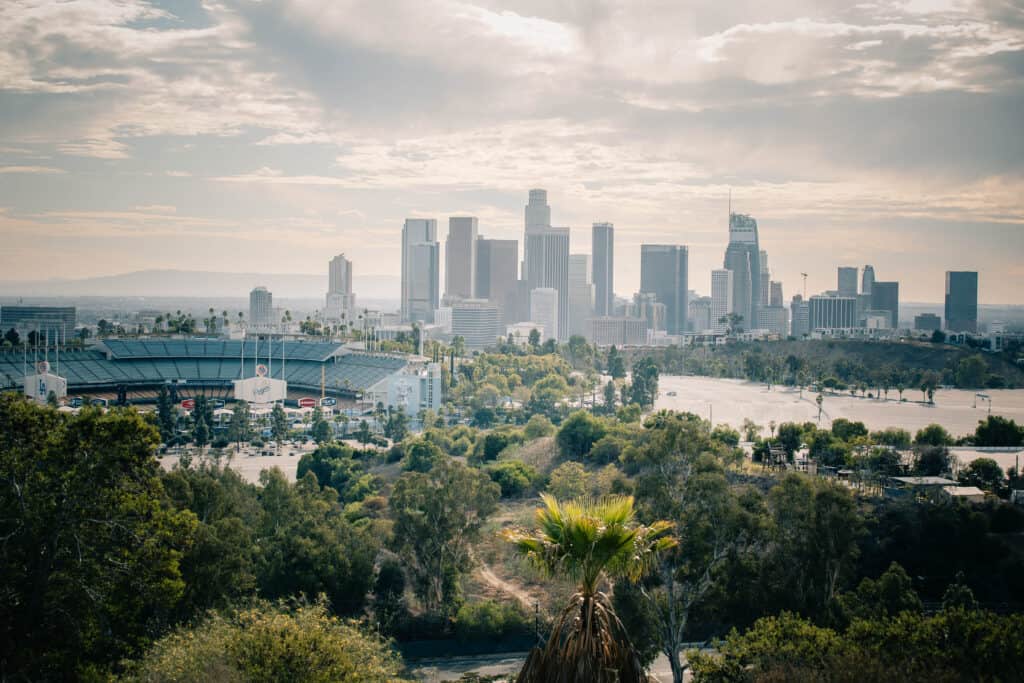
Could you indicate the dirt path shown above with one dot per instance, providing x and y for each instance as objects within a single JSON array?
[{"x": 488, "y": 577}]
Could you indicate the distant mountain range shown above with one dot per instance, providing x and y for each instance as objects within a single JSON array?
[{"x": 198, "y": 283}]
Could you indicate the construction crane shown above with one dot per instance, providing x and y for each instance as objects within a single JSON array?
[{"x": 804, "y": 276}]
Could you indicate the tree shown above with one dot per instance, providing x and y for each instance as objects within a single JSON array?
[
  {"x": 645, "y": 382},
  {"x": 568, "y": 481},
  {"x": 307, "y": 547},
  {"x": 933, "y": 435},
  {"x": 932, "y": 461},
  {"x": 972, "y": 372},
  {"x": 239, "y": 429},
  {"x": 513, "y": 476},
  {"x": 998, "y": 431},
  {"x": 421, "y": 456},
  {"x": 302, "y": 643},
  {"x": 893, "y": 436},
  {"x": 609, "y": 397},
  {"x": 790, "y": 437},
  {"x": 589, "y": 542},
  {"x": 363, "y": 434},
  {"x": 534, "y": 339},
  {"x": 165, "y": 415},
  {"x": 321, "y": 428},
  {"x": 91, "y": 548},
  {"x": 578, "y": 434},
  {"x": 538, "y": 426},
  {"x": 437, "y": 517},
  {"x": 984, "y": 473},
  {"x": 846, "y": 430},
  {"x": 397, "y": 426},
  {"x": 615, "y": 365},
  {"x": 938, "y": 337},
  {"x": 278, "y": 424}
]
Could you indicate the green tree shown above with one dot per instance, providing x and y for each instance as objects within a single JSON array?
[
  {"x": 537, "y": 427},
  {"x": 239, "y": 429},
  {"x": 893, "y": 436},
  {"x": 267, "y": 643},
  {"x": 321, "y": 428},
  {"x": 999, "y": 431},
  {"x": 933, "y": 435},
  {"x": 278, "y": 424},
  {"x": 931, "y": 461},
  {"x": 91, "y": 549},
  {"x": 971, "y": 372},
  {"x": 534, "y": 339},
  {"x": 421, "y": 456},
  {"x": 515, "y": 477},
  {"x": 578, "y": 434},
  {"x": 589, "y": 542},
  {"x": 790, "y": 436},
  {"x": 984, "y": 473},
  {"x": 644, "y": 389},
  {"x": 397, "y": 426},
  {"x": 568, "y": 481},
  {"x": 363, "y": 434},
  {"x": 437, "y": 517},
  {"x": 307, "y": 547},
  {"x": 609, "y": 398},
  {"x": 615, "y": 365}
]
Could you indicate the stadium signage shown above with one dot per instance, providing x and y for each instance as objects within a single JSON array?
[
  {"x": 307, "y": 402},
  {"x": 328, "y": 401},
  {"x": 188, "y": 404}
]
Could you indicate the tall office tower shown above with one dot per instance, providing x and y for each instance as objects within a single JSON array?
[
  {"x": 867, "y": 280},
  {"x": 961, "y": 301},
  {"x": 537, "y": 212},
  {"x": 581, "y": 294},
  {"x": 764, "y": 280},
  {"x": 847, "y": 279},
  {"x": 885, "y": 296},
  {"x": 721, "y": 298},
  {"x": 547, "y": 266},
  {"x": 340, "y": 299},
  {"x": 497, "y": 269},
  {"x": 603, "y": 250},
  {"x": 700, "y": 313},
  {"x": 476, "y": 321},
  {"x": 743, "y": 258},
  {"x": 460, "y": 257},
  {"x": 832, "y": 312},
  {"x": 663, "y": 272},
  {"x": 544, "y": 310},
  {"x": 261, "y": 308},
  {"x": 800, "y": 317},
  {"x": 420, "y": 270},
  {"x": 775, "y": 297}
]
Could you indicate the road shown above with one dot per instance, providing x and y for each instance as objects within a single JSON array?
[{"x": 450, "y": 669}]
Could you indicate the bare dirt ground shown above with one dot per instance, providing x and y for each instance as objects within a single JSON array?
[{"x": 731, "y": 401}]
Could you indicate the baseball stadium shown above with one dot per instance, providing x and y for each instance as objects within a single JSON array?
[{"x": 134, "y": 370}]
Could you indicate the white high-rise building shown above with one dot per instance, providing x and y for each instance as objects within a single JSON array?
[
  {"x": 341, "y": 300},
  {"x": 420, "y": 270},
  {"x": 477, "y": 321},
  {"x": 721, "y": 297},
  {"x": 261, "y": 308},
  {"x": 460, "y": 257},
  {"x": 547, "y": 266},
  {"x": 581, "y": 294},
  {"x": 544, "y": 309}
]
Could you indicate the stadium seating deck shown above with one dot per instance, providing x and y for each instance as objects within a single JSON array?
[{"x": 151, "y": 362}]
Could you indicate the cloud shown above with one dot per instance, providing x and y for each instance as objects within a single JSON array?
[{"x": 34, "y": 170}]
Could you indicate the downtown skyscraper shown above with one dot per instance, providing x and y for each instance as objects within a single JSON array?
[
  {"x": 961, "y": 301},
  {"x": 420, "y": 270},
  {"x": 546, "y": 256},
  {"x": 664, "y": 273},
  {"x": 341, "y": 300},
  {"x": 460, "y": 257},
  {"x": 603, "y": 261},
  {"x": 743, "y": 258}
]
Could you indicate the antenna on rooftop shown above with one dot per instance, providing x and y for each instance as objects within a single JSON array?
[{"x": 804, "y": 276}]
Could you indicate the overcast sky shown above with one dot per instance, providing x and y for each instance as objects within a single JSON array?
[{"x": 245, "y": 135}]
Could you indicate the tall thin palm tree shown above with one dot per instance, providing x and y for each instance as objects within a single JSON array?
[{"x": 590, "y": 542}]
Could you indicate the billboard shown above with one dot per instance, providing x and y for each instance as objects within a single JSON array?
[
  {"x": 260, "y": 390},
  {"x": 307, "y": 402}
]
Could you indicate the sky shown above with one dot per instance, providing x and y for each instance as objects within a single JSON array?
[{"x": 268, "y": 135}]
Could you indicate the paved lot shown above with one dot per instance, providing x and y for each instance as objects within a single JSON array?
[{"x": 731, "y": 401}]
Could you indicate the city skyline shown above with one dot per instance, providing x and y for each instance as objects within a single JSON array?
[{"x": 207, "y": 139}]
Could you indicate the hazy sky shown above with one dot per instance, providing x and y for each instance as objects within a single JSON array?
[{"x": 247, "y": 135}]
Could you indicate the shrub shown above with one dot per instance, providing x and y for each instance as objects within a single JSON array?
[
  {"x": 514, "y": 477},
  {"x": 490, "y": 620}
]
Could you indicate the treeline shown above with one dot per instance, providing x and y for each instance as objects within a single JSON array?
[{"x": 876, "y": 367}]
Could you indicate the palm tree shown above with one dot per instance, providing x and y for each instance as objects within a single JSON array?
[{"x": 589, "y": 542}]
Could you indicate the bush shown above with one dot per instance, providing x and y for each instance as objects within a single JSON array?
[
  {"x": 514, "y": 477},
  {"x": 579, "y": 433},
  {"x": 538, "y": 426},
  {"x": 490, "y": 620},
  {"x": 568, "y": 480},
  {"x": 269, "y": 643}
]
